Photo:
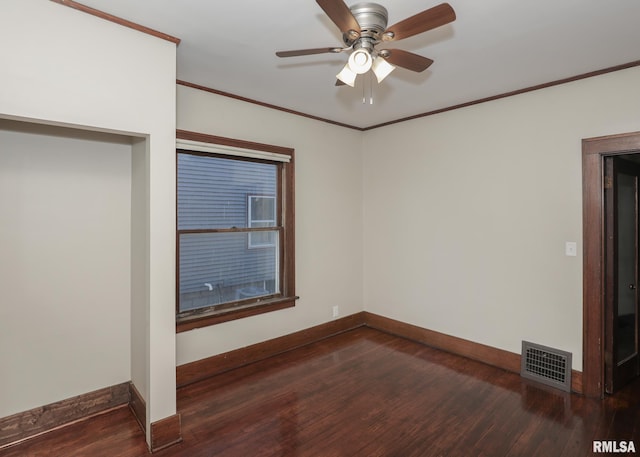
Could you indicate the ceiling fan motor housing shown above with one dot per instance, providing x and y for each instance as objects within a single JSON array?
[{"x": 372, "y": 19}]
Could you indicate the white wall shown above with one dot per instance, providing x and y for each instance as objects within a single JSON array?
[
  {"x": 65, "y": 200},
  {"x": 70, "y": 68},
  {"x": 466, "y": 213},
  {"x": 328, "y": 217}
]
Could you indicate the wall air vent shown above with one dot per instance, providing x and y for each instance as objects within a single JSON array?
[{"x": 546, "y": 365}]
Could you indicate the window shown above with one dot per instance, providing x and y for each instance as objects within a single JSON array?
[
  {"x": 262, "y": 213},
  {"x": 234, "y": 229}
]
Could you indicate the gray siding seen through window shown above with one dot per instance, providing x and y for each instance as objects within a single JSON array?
[{"x": 213, "y": 193}]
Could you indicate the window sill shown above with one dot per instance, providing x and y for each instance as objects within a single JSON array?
[{"x": 226, "y": 315}]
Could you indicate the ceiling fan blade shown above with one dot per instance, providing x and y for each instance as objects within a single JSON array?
[
  {"x": 307, "y": 52},
  {"x": 339, "y": 83},
  {"x": 340, "y": 14},
  {"x": 405, "y": 59},
  {"x": 429, "y": 19}
]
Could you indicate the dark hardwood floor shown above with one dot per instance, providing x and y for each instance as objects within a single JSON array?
[{"x": 363, "y": 393}]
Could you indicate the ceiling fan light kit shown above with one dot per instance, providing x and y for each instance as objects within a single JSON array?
[
  {"x": 364, "y": 26},
  {"x": 347, "y": 76},
  {"x": 381, "y": 68},
  {"x": 360, "y": 61}
]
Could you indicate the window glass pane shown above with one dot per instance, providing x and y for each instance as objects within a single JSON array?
[
  {"x": 213, "y": 192},
  {"x": 220, "y": 267},
  {"x": 262, "y": 239},
  {"x": 262, "y": 211}
]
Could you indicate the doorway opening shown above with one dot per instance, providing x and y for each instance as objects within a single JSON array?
[
  {"x": 622, "y": 210},
  {"x": 603, "y": 313}
]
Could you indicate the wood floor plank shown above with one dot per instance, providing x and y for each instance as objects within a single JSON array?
[{"x": 364, "y": 393}]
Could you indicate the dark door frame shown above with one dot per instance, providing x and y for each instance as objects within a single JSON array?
[{"x": 593, "y": 152}]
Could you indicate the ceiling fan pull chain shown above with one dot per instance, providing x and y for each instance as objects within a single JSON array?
[
  {"x": 367, "y": 83},
  {"x": 370, "y": 81}
]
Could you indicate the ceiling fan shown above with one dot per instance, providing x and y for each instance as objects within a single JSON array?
[{"x": 364, "y": 26}]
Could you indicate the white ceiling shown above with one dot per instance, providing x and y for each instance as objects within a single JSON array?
[{"x": 493, "y": 47}]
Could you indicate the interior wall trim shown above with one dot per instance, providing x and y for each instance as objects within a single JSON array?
[
  {"x": 34, "y": 422},
  {"x": 202, "y": 369},
  {"x": 211, "y": 366},
  {"x": 499, "y": 358},
  {"x": 557, "y": 82},
  {"x": 165, "y": 432},
  {"x": 138, "y": 407},
  {"x": 117, "y": 20},
  {"x": 491, "y": 356},
  {"x": 164, "y": 36},
  {"x": 264, "y": 105},
  {"x": 590, "y": 74}
]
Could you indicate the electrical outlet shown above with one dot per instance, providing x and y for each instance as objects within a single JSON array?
[{"x": 336, "y": 311}]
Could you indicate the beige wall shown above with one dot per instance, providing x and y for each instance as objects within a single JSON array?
[
  {"x": 69, "y": 68},
  {"x": 65, "y": 199},
  {"x": 328, "y": 161},
  {"x": 466, "y": 213}
]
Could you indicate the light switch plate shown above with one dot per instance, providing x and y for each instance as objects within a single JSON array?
[{"x": 571, "y": 248}]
